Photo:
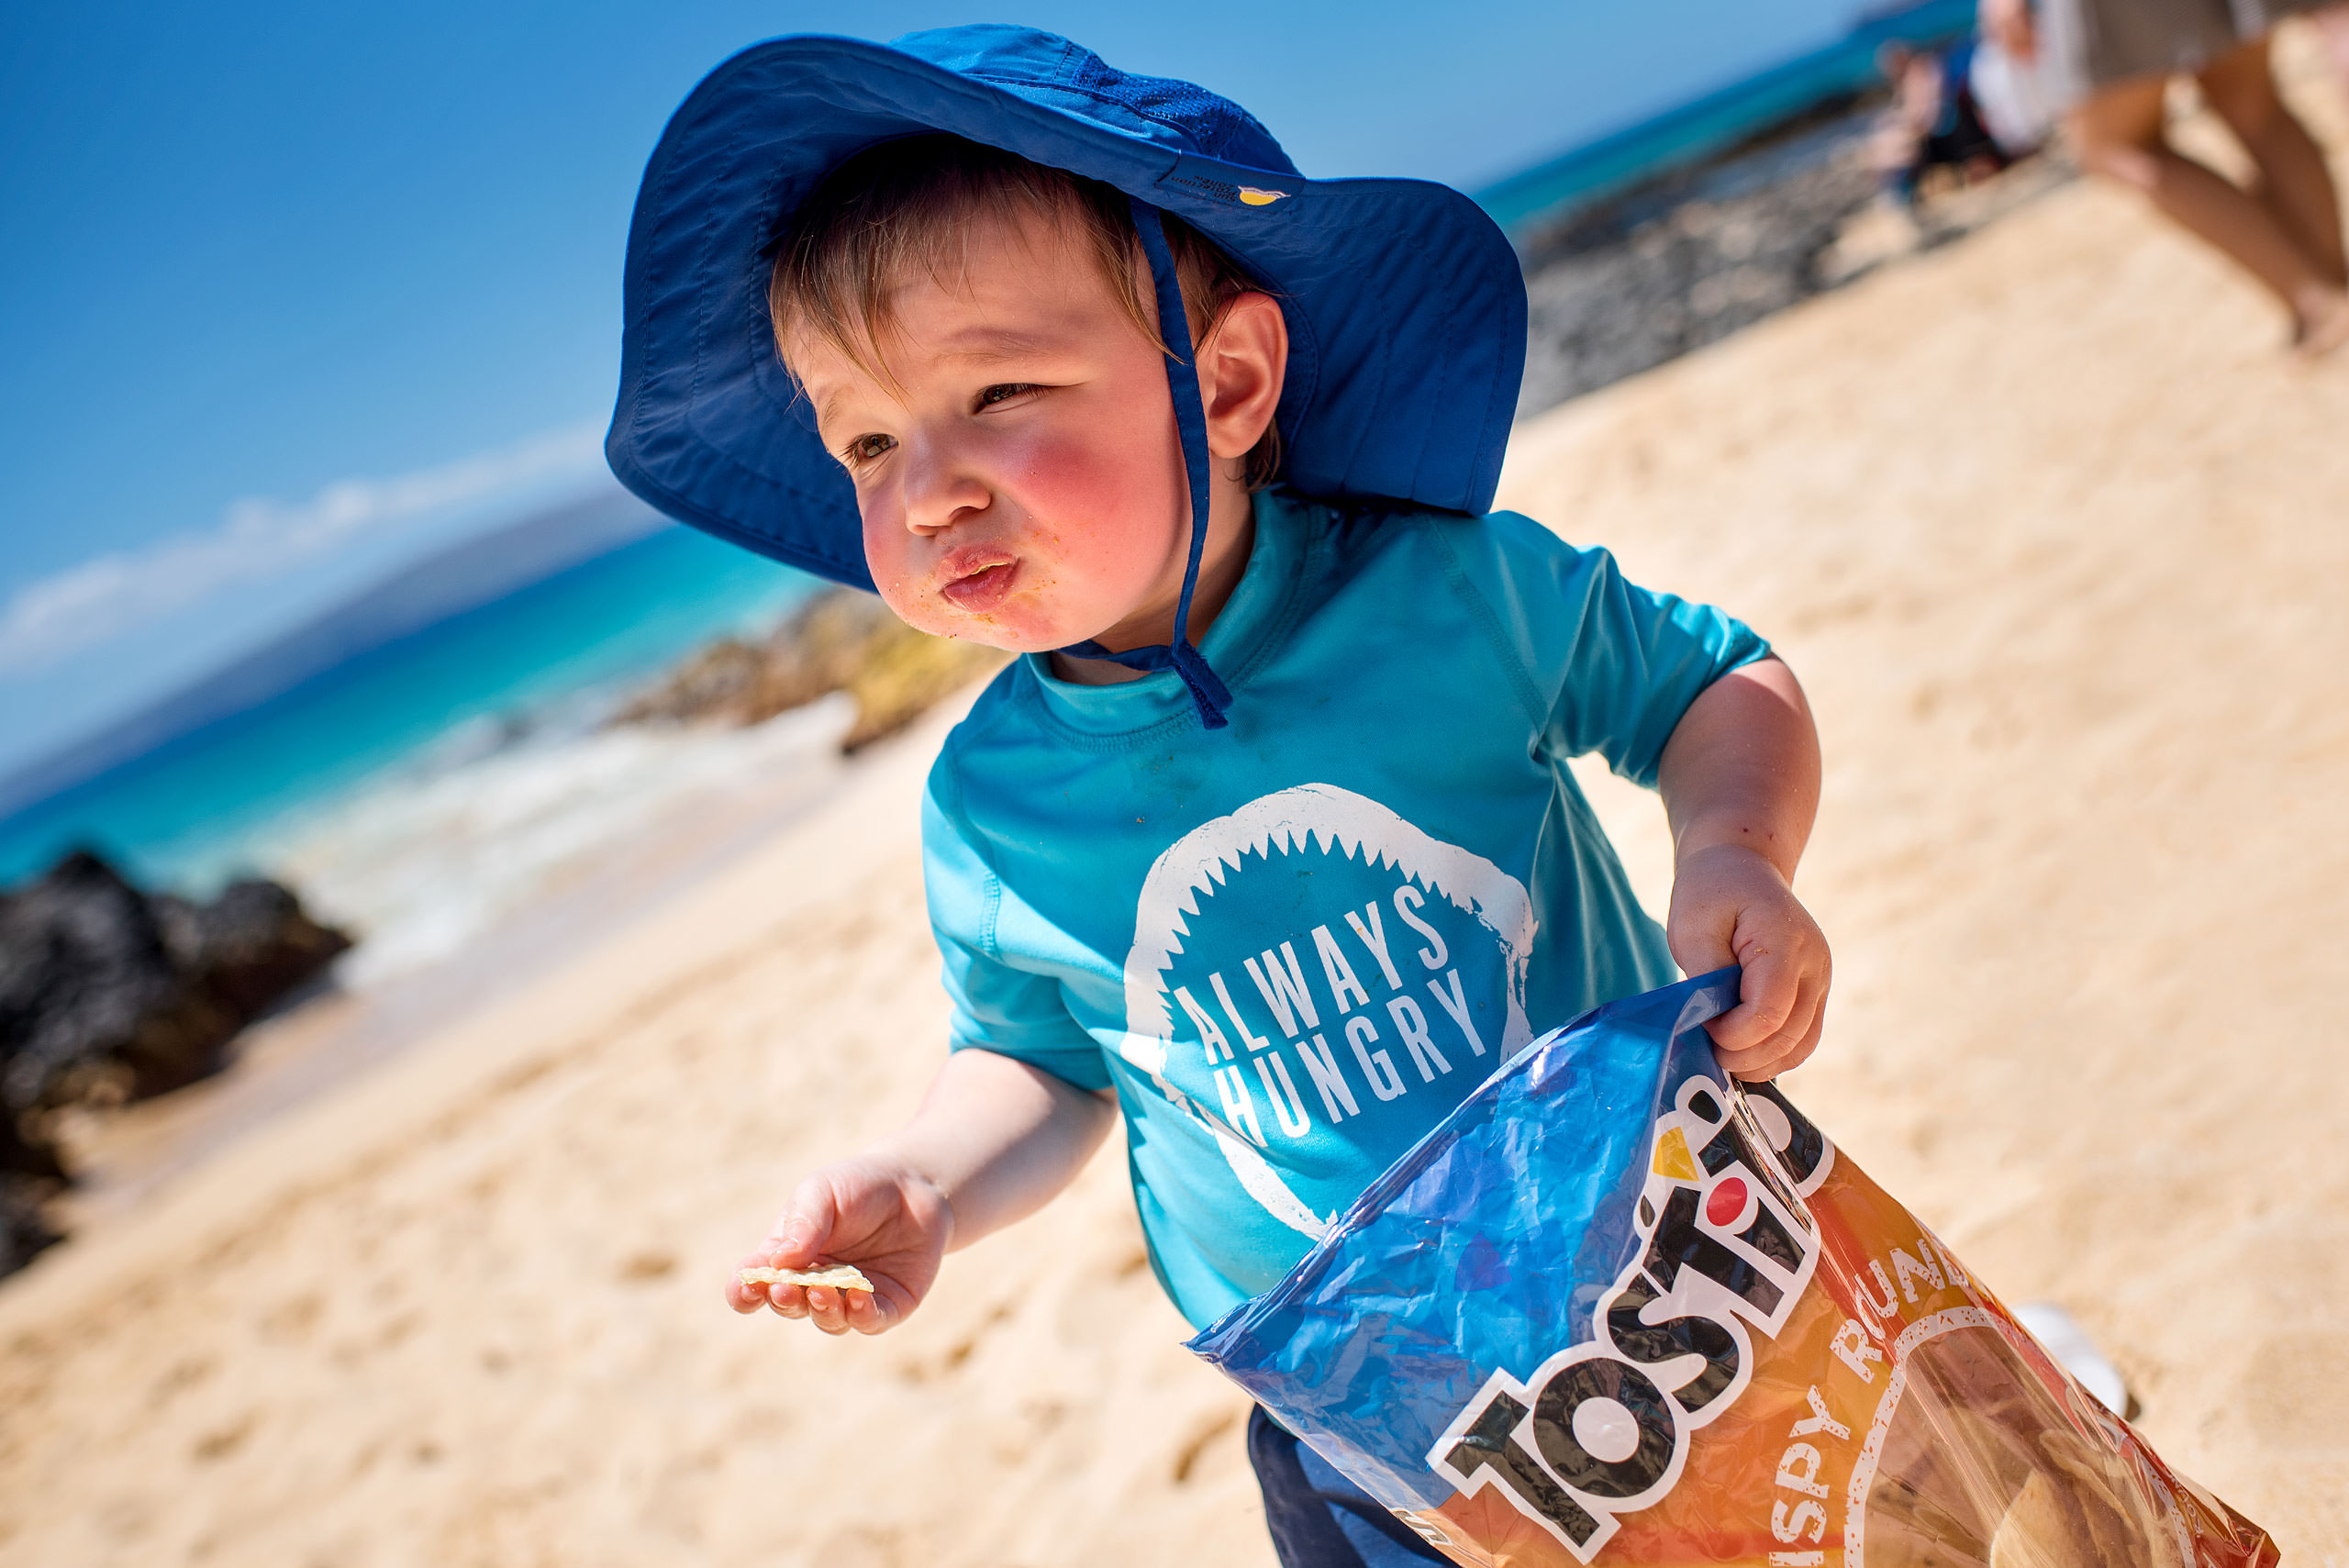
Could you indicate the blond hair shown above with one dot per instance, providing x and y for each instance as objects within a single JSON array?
[{"x": 904, "y": 207}]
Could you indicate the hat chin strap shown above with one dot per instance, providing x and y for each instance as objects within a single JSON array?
[{"x": 1208, "y": 694}]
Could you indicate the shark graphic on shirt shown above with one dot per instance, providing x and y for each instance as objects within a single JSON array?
[{"x": 1377, "y": 980}]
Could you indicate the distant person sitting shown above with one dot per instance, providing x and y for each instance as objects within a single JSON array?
[
  {"x": 2008, "y": 91},
  {"x": 1933, "y": 123},
  {"x": 2107, "y": 63}
]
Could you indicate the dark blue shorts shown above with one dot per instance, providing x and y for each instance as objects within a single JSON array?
[{"x": 1318, "y": 1517}]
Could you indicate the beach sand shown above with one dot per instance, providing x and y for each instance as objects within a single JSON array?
[{"x": 2056, "y": 535}]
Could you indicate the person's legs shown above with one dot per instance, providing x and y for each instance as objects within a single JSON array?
[
  {"x": 1317, "y": 1518},
  {"x": 2293, "y": 180},
  {"x": 2117, "y": 133}
]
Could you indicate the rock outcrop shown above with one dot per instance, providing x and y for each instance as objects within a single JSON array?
[
  {"x": 108, "y": 993},
  {"x": 1688, "y": 259},
  {"x": 29, "y": 1175},
  {"x": 843, "y": 642}
]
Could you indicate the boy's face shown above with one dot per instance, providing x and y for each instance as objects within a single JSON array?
[{"x": 1022, "y": 481}]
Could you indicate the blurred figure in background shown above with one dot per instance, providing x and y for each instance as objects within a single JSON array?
[
  {"x": 2006, "y": 82},
  {"x": 2107, "y": 64},
  {"x": 1935, "y": 121},
  {"x": 2332, "y": 26}
]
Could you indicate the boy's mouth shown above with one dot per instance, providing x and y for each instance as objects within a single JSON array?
[{"x": 979, "y": 582}]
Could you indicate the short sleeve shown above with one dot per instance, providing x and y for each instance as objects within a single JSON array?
[
  {"x": 1611, "y": 666},
  {"x": 998, "y": 1004}
]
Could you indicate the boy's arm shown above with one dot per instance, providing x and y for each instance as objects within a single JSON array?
[
  {"x": 995, "y": 1139},
  {"x": 1739, "y": 780}
]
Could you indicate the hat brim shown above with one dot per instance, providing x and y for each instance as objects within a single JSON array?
[{"x": 1406, "y": 307}]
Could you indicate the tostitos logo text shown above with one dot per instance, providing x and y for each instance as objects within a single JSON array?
[{"x": 1602, "y": 1427}]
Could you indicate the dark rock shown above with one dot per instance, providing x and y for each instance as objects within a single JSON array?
[
  {"x": 82, "y": 969},
  {"x": 249, "y": 948},
  {"x": 108, "y": 994},
  {"x": 1688, "y": 260},
  {"x": 24, "y": 1229},
  {"x": 1691, "y": 258},
  {"x": 25, "y": 1157}
]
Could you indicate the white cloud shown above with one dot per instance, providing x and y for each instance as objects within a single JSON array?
[{"x": 260, "y": 540}]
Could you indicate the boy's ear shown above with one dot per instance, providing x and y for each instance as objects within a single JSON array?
[{"x": 1241, "y": 366}]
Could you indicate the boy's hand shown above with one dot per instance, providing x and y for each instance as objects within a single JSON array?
[
  {"x": 1739, "y": 778},
  {"x": 874, "y": 1211},
  {"x": 1000, "y": 1135},
  {"x": 1730, "y": 905}
]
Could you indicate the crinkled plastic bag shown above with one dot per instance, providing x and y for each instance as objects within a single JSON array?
[{"x": 1617, "y": 1310}]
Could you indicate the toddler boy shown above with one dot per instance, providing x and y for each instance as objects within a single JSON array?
[{"x": 1267, "y": 843}]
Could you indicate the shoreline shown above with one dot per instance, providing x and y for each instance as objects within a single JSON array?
[
  {"x": 825, "y": 685},
  {"x": 483, "y": 1038},
  {"x": 338, "y": 1036}
]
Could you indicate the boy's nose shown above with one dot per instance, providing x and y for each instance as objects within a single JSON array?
[{"x": 939, "y": 487}]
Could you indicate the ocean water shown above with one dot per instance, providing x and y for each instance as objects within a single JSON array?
[
  {"x": 428, "y": 860},
  {"x": 467, "y": 759}
]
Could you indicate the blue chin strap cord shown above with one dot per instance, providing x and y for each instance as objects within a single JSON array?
[{"x": 1208, "y": 694}]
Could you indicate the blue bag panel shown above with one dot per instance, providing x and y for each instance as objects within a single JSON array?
[{"x": 1508, "y": 1220}]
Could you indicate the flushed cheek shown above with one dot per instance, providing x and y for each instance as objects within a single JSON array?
[
  {"x": 1103, "y": 519},
  {"x": 1052, "y": 471},
  {"x": 1097, "y": 531},
  {"x": 888, "y": 557}
]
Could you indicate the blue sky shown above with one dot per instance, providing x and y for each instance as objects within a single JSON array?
[{"x": 291, "y": 293}]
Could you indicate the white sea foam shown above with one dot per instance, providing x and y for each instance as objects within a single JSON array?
[{"x": 427, "y": 859}]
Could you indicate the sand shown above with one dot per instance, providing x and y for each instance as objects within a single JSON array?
[{"x": 2055, "y": 536}]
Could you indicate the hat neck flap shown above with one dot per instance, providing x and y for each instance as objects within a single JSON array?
[{"x": 1208, "y": 694}]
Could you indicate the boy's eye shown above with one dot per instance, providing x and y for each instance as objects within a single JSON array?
[
  {"x": 1003, "y": 391},
  {"x": 866, "y": 449}
]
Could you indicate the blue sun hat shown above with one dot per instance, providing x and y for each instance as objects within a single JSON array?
[{"x": 1405, "y": 305}]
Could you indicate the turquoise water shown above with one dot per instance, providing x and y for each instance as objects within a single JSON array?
[
  {"x": 543, "y": 655},
  {"x": 1720, "y": 120}
]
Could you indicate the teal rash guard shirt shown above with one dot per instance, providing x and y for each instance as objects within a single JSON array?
[{"x": 1293, "y": 945}]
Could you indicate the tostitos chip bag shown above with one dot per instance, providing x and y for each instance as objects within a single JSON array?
[{"x": 1618, "y": 1310}]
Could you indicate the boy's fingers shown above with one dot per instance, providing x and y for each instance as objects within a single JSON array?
[
  {"x": 1780, "y": 1059},
  {"x": 833, "y": 1311},
  {"x": 1701, "y": 955},
  {"x": 744, "y": 1298},
  {"x": 1767, "y": 993},
  {"x": 868, "y": 1314},
  {"x": 1803, "y": 1048},
  {"x": 824, "y": 1309},
  {"x": 1750, "y": 1050},
  {"x": 805, "y": 1227},
  {"x": 1786, "y": 1046},
  {"x": 1699, "y": 948}
]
